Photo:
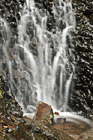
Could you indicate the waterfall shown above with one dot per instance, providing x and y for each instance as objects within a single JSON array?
[{"x": 39, "y": 65}]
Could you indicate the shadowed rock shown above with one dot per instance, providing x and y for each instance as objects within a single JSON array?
[{"x": 40, "y": 130}]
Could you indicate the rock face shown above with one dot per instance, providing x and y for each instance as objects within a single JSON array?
[
  {"x": 82, "y": 98},
  {"x": 10, "y": 111},
  {"x": 10, "y": 11}
]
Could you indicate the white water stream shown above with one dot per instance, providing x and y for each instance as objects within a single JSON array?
[{"x": 43, "y": 72}]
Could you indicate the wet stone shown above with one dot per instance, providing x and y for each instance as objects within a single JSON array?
[
  {"x": 44, "y": 111},
  {"x": 10, "y": 130},
  {"x": 61, "y": 120},
  {"x": 36, "y": 130},
  {"x": 17, "y": 114},
  {"x": 84, "y": 59}
]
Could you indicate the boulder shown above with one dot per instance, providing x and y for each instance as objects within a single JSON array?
[{"x": 44, "y": 112}]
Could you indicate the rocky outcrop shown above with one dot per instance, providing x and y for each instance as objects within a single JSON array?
[{"x": 82, "y": 98}]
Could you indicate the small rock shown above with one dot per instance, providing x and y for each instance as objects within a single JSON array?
[
  {"x": 10, "y": 130},
  {"x": 17, "y": 114},
  {"x": 61, "y": 120},
  {"x": 56, "y": 113},
  {"x": 22, "y": 121},
  {"x": 36, "y": 130},
  {"x": 16, "y": 128}
]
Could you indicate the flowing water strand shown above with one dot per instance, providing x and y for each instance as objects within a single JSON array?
[
  {"x": 43, "y": 71},
  {"x": 5, "y": 33}
]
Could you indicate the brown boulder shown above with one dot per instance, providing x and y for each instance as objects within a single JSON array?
[{"x": 44, "y": 112}]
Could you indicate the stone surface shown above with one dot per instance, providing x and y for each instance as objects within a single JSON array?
[
  {"x": 81, "y": 100},
  {"x": 44, "y": 112},
  {"x": 61, "y": 120},
  {"x": 40, "y": 129},
  {"x": 10, "y": 112},
  {"x": 77, "y": 129}
]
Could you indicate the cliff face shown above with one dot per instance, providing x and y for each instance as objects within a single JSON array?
[{"x": 82, "y": 98}]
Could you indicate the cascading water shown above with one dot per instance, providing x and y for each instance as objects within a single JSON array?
[{"x": 41, "y": 63}]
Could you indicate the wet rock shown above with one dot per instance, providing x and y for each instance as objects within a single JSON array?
[
  {"x": 40, "y": 129},
  {"x": 8, "y": 122},
  {"x": 44, "y": 112},
  {"x": 10, "y": 7},
  {"x": 10, "y": 130},
  {"x": 61, "y": 120},
  {"x": 13, "y": 107},
  {"x": 17, "y": 114},
  {"x": 88, "y": 135},
  {"x": 36, "y": 130},
  {"x": 56, "y": 113},
  {"x": 76, "y": 129},
  {"x": 81, "y": 99}
]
